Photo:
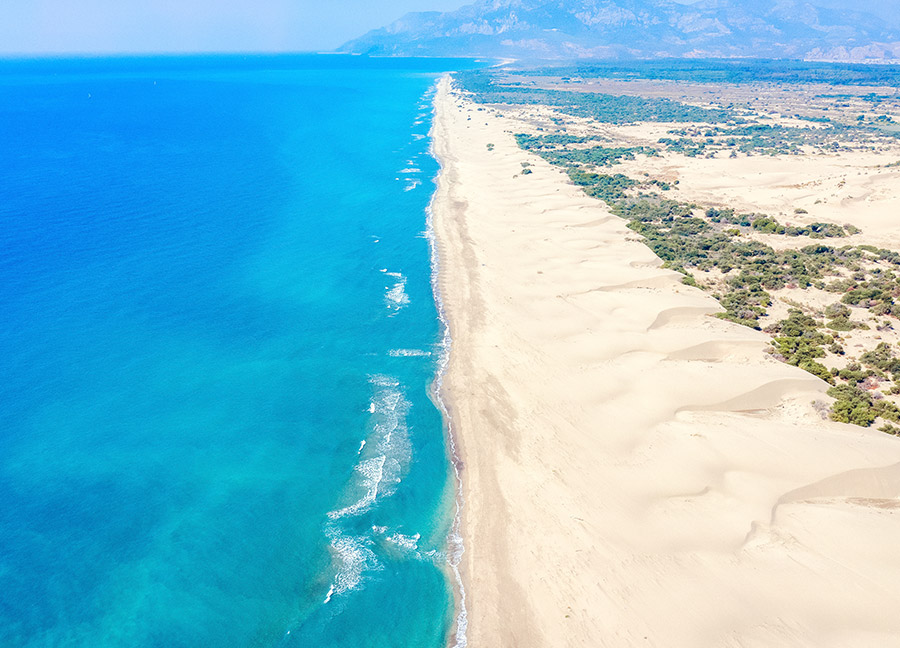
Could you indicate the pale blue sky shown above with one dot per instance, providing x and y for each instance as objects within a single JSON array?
[
  {"x": 102, "y": 26},
  {"x": 118, "y": 26}
]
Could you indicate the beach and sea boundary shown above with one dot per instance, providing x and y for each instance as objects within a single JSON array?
[{"x": 633, "y": 471}]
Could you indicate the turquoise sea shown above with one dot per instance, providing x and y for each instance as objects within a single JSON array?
[{"x": 218, "y": 340}]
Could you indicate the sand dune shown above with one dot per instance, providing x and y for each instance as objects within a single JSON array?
[
  {"x": 636, "y": 472},
  {"x": 851, "y": 187}
]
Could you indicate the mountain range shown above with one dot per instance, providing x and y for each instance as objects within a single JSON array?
[{"x": 568, "y": 29}]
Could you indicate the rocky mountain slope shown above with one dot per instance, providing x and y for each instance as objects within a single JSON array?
[{"x": 815, "y": 29}]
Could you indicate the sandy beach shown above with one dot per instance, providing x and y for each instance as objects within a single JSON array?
[{"x": 636, "y": 472}]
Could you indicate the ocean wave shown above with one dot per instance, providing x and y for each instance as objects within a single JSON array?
[
  {"x": 385, "y": 454},
  {"x": 371, "y": 473},
  {"x": 407, "y": 542},
  {"x": 395, "y": 297},
  {"x": 412, "y": 184},
  {"x": 382, "y": 380},
  {"x": 408, "y": 353},
  {"x": 384, "y": 457},
  {"x": 353, "y": 557}
]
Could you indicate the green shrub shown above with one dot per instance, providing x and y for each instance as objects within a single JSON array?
[
  {"x": 890, "y": 429},
  {"x": 817, "y": 369},
  {"x": 881, "y": 357},
  {"x": 852, "y": 405},
  {"x": 844, "y": 324}
]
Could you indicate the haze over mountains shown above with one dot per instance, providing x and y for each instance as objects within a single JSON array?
[{"x": 798, "y": 29}]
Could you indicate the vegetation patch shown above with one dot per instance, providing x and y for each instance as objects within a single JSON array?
[
  {"x": 738, "y": 71},
  {"x": 612, "y": 109},
  {"x": 724, "y": 251},
  {"x": 768, "y": 139},
  {"x": 696, "y": 242}
]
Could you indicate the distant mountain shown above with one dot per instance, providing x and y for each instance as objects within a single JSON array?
[{"x": 813, "y": 29}]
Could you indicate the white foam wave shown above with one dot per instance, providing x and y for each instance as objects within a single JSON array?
[
  {"x": 381, "y": 380},
  {"x": 395, "y": 297},
  {"x": 410, "y": 169},
  {"x": 353, "y": 556},
  {"x": 407, "y": 542},
  {"x": 412, "y": 184},
  {"x": 408, "y": 353},
  {"x": 372, "y": 473},
  {"x": 385, "y": 455}
]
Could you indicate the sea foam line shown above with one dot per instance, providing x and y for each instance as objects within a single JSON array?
[
  {"x": 455, "y": 545},
  {"x": 382, "y": 459},
  {"x": 395, "y": 297},
  {"x": 355, "y": 555}
]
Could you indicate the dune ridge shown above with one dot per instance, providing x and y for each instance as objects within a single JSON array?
[{"x": 636, "y": 472}]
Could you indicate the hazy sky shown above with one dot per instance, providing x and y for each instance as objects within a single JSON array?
[
  {"x": 54, "y": 26},
  {"x": 103, "y": 26}
]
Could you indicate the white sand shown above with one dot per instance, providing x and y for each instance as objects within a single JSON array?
[
  {"x": 637, "y": 473},
  {"x": 852, "y": 187}
]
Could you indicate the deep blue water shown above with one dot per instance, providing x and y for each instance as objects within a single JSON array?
[{"x": 217, "y": 337}]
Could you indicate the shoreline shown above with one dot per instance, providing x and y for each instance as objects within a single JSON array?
[
  {"x": 455, "y": 542},
  {"x": 634, "y": 472}
]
